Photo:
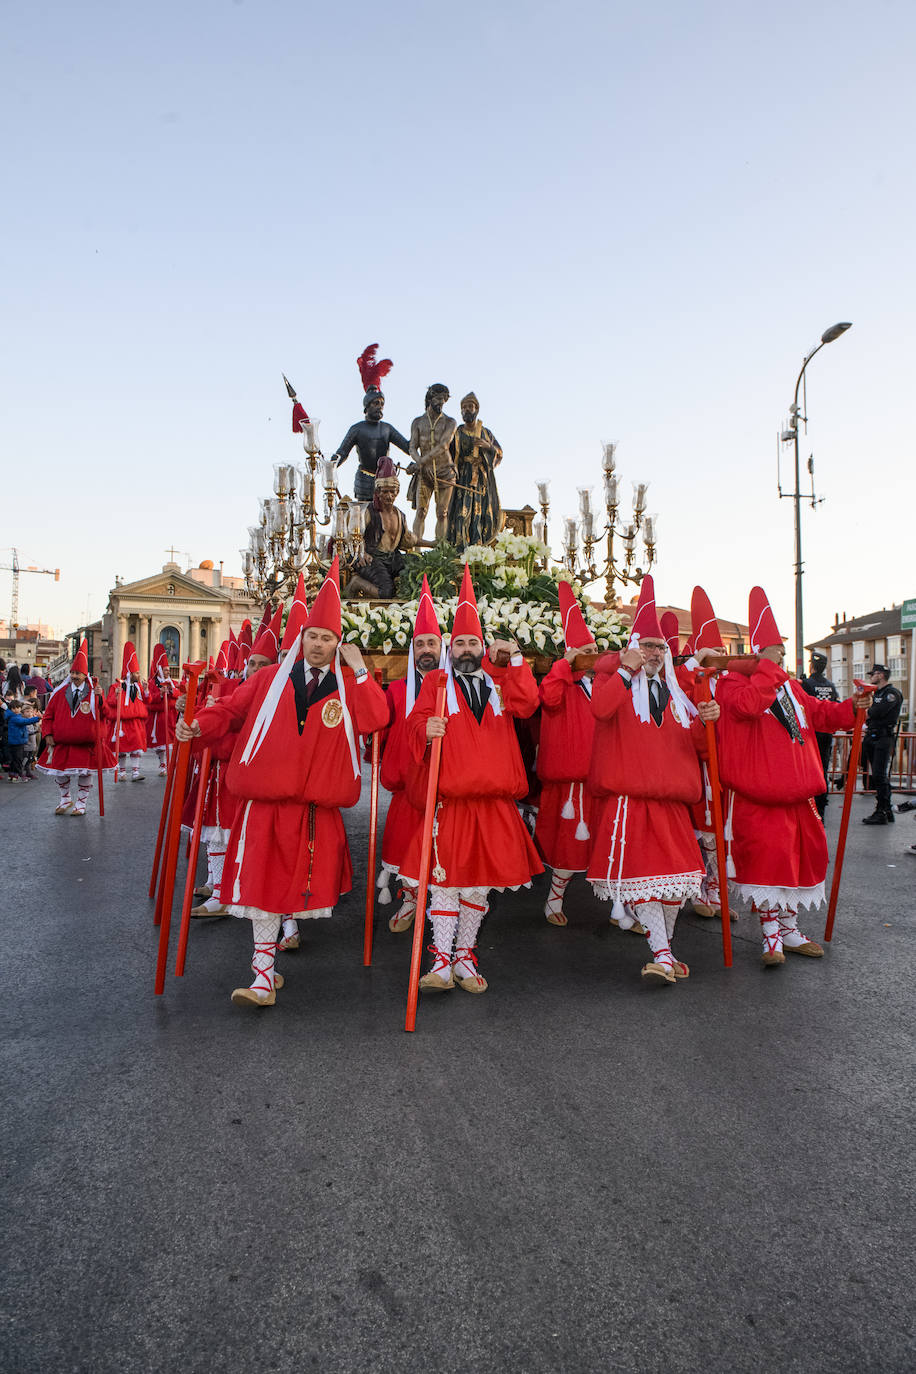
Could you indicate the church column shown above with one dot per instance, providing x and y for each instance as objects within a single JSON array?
[
  {"x": 143, "y": 627},
  {"x": 194, "y": 644},
  {"x": 120, "y": 641}
]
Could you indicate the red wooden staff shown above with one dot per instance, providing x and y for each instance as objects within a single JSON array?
[
  {"x": 166, "y": 698},
  {"x": 117, "y": 730},
  {"x": 167, "y": 885},
  {"x": 163, "y": 817},
  {"x": 375, "y": 755},
  {"x": 419, "y": 925},
  {"x": 97, "y": 703},
  {"x": 192, "y": 865},
  {"x": 712, "y": 767},
  {"x": 847, "y": 808}
]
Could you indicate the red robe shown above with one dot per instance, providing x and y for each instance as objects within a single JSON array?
[
  {"x": 155, "y": 728},
  {"x": 481, "y": 839},
  {"x": 133, "y": 719},
  {"x": 74, "y": 735},
  {"x": 564, "y": 756},
  {"x": 778, "y": 844},
  {"x": 644, "y": 777},
  {"x": 403, "y": 818},
  {"x": 288, "y": 849},
  {"x": 219, "y": 802}
]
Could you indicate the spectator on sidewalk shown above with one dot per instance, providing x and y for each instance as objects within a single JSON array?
[
  {"x": 17, "y": 726},
  {"x": 878, "y": 746}
]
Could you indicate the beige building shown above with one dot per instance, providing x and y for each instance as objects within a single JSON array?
[{"x": 189, "y": 612}]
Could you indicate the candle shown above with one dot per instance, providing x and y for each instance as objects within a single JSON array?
[
  {"x": 648, "y": 527},
  {"x": 280, "y": 479},
  {"x": 588, "y": 527},
  {"x": 608, "y": 459},
  {"x": 329, "y": 473},
  {"x": 611, "y": 490},
  {"x": 585, "y": 500}
]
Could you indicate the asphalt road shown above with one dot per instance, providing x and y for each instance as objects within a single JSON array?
[{"x": 570, "y": 1173}]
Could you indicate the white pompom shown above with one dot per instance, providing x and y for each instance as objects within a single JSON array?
[
  {"x": 620, "y": 914},
  {"x": 383, "y": 879},
  {"x": 384, "y": 896},
  {"x": 730, "y": 868},
  {"x": 582, "y": 831},
  {"x": 568, "y": 811}
]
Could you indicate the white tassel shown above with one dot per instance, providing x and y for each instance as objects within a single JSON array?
[
  {"x": 569, "y": 811},
  {"x": 384, "y": 896},
  {"x": 620, "y": 914},
  {"x": 582, "y": 832},
  {"x": 730, "y": 868}
]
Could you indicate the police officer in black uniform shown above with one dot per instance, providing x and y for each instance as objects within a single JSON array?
[
  {"x": 817, "y": 684},
  {"x": 880, "y": 732}
]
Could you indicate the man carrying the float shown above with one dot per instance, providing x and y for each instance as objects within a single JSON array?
[
  {"x": 294, "y": 766},
  {"x": 479, "y": 839},
  {"x": 70, "y": 727},
  {"x": 162, "y": 716},
  {"x": 645, "y": 775},
  {"x": 128, "y": 695},
  {"x": 562, "y": 832},
  {"x": 404, "y": 818},
  {"x": 768, "y": 755}
]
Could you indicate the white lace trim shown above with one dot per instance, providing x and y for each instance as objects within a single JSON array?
[
  {"x": 215, "y": 834},
  {"x": 658, "y": 887},
  {"x": 254, "y": 913},
  {"x": 69, "y": 772},
  {"x": 786, "y": 897}
]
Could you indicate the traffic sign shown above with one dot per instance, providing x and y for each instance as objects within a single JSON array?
[{"x": 908, "y": 615}]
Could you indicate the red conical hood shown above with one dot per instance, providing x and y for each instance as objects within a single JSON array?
[
  {"x": 671, "y": 631},
  {"x": 232, "y": 658},
  {"x": 297, "y": 618},
  {"x": 129, "y": 660},
  {"x": 246, "y": 638},
  {"x": 705, "y": 632},
  {"x": 265, "y": 621},
  {"x": 267, "y": 644},
  {"x": 645, "y": 621},
  {"x": 160, "y": 660},
  {"x": 222, "y": 658},
  {"x": 80, "y": 662},
  {"x": 576, "y": 633},
  {"x": 325, "y": 613},
  {"x": 764, "y": 631},
  {"x": 426, "y": 621},
  {"x": 467, "y": 619}
]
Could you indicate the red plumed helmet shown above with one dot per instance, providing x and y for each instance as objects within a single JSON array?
[
  {"x": 764, "y": 631},
  {"x": 576, "y": 633},
  {"x": 467, "y": 619},
  {"x": 645, "y": 622},
  {"x": 371, "y": 369}
]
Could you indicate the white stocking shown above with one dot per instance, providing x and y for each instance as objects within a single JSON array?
[
  {"x": 408, "y": 904},
  {"x": 671, "y": 914},
  {"x": 769, "y": 928},
  {"x": 443, "y": 916},
  {"x": 789, "y": 932},
  {"x": 135, "y": 762},
  {"x": 83, "y": 788},
  {"x": 265, "y": 930},
  {"x": 471, "y": 911},
  {"x": 64, "y": 785},
  {"x": 160, "y": 755},
  {"x": 216, "y": 857},
  {"x": 710, "y": 890},
  {"x": 122, "y": 765},
  {"x": 652, "y": 915},
  {"x": 559, "y": 881}
]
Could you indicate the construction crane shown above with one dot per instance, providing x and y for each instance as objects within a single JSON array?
[{"x": 15, "y": 569}]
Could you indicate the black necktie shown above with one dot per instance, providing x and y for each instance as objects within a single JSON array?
[
  {"x": 656, "y": 709},
  {"x": 470, "y": 686}
]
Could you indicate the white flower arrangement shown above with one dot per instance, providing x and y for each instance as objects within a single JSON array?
[{"x": 535, "y": 624}]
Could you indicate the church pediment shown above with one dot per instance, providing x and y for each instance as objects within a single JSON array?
[{"x": 166, "y": 586}]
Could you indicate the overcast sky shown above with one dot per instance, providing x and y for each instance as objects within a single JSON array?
[{"x": 611, "y": 221}]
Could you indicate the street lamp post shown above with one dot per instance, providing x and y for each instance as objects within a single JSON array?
[{"x": 791, "y": 433}]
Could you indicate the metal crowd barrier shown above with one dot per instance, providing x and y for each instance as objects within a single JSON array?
[{"x": 902, "y": 771}]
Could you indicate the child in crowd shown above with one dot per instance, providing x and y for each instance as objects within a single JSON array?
[{"x": 17, "y": 735}]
